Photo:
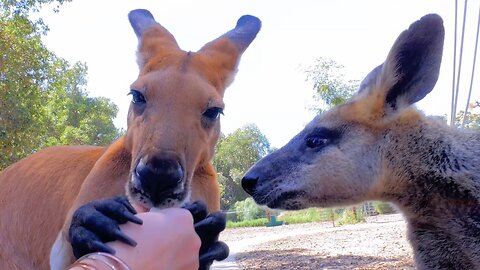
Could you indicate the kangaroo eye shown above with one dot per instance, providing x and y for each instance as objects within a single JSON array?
[
  {"x": 137, "y": 97},
  {"x": 315, "y": 142},
  {"x": 213, "y": 113}
]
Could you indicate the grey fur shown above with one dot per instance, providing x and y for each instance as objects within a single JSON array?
[{"x": 379, "y": 147}]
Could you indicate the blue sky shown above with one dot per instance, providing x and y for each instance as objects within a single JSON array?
[{"x": 270, "y": 88}]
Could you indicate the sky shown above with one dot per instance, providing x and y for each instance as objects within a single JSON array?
[{"x": 270, "y": 88}]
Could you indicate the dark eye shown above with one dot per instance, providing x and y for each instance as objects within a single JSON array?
[
  {"x": 315, "y": 142},
  {"x": 213, "y": 113},
  {"x": 137, "y": 97}
]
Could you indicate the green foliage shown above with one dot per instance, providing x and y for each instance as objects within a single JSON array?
[
  {"x": 23, "y": 7},
  {"x": 383, "y": 208},
  {"x": 472, "y": 121},
  {"x": 329, "y": 83},
  {"x": 303, "y": 216},
  {"x": 341, "y": 216},
  {"x": 23, "y": 68},
  {"x": 248, "y": 210},
  {"x": 350, "y": 216},
  {"x": 260, "y": 222},
  {"x": 43, "y": 97},
  {"x": 77, "y": 118},
  {"x": 235, "y": 154}
]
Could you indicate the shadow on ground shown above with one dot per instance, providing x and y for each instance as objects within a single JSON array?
[{"x": 307, "y": 259}]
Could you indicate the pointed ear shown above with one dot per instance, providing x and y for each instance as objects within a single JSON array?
[
  {"x": 225, "y": 52},
  {"x": 371, "y": 79},
  {"x": 411, "y": 69},
  {"x": 153, "y": 39}
]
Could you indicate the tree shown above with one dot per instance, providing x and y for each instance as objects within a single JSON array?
[
  {"x": 43, "y": 99},
  {"x": 23, "y": 7},
  {"x": 23, "y": 75},
  {"x": 248, "y": 210},
  {"x": 235, "y": 154},
  {"x": 331, "y": 87},
  {"x": 77, "y": 118},
  {"x": 472, "y": 120}
]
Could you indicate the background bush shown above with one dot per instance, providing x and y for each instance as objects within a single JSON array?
[
  {"x": 306, "y": 215},
  {"x": 350, "y": 216},
  {"x": 383, "y": 208},
  {"x": 248, "y": 210}
]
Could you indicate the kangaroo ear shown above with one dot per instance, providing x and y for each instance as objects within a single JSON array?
[
  {"x": 224, "y": 52},
  {"x": 370, "y": 80},
  {"x": 153, "y": 39},
  {"x": 411, "y": 69}
]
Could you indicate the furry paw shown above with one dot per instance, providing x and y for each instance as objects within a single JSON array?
[
  {"x": 208, "y": 227},
  {"x": 96, "y": 223}
]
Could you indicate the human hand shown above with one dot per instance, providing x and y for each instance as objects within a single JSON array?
[
  {"x": 97, "y": 222},
  {"x": 166, "y": 240}
]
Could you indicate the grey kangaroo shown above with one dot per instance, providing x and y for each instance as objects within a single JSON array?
[{"x": 378, "y": 146}]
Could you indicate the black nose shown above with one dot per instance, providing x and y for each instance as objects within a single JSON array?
[
  {"x": 159, "y": 173},
  {"x": 249, "y": 181}
]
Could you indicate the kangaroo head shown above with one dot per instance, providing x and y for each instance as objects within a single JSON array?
[
  {"x": 337, "y": 159},
  {"x": 177, "y": 100}
]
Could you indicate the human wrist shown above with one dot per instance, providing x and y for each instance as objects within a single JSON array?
[{"x": 99, "y": 261}]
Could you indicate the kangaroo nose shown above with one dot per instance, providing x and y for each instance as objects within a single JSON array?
[
  {"x": 159, "y": 173},
  {"x": 249, "y": 181}
]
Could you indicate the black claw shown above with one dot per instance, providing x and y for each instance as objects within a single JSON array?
[
  {"x": 118, "y": 209},
  {"x": 132, "y": 218},
  {"x": 101, "y": 247},
  {"x": 124, "y": 238},
  {"x": 124, "y": 200}
]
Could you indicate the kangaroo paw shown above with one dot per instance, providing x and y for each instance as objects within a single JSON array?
[
  {"x": 208, "y": 228},
  {"x": 96, "y": 223}
]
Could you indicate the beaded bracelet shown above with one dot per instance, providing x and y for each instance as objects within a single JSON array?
[{"x": 112, "y": 262}]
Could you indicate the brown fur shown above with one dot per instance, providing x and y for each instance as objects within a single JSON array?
[
  {"x": 39, "y": 193},
  {"x": 379, "y": 147}
]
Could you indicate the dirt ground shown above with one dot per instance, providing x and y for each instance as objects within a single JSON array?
[{"x": 380, "y": 243}]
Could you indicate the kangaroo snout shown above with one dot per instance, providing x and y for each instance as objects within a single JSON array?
[
  {"x": 159, "y": 173},
  {"x": 249, "y": 182}
]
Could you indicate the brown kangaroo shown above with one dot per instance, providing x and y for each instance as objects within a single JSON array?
[
  {"x": 378, "y": 146},
  {"x": 163, "y": 160}
]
